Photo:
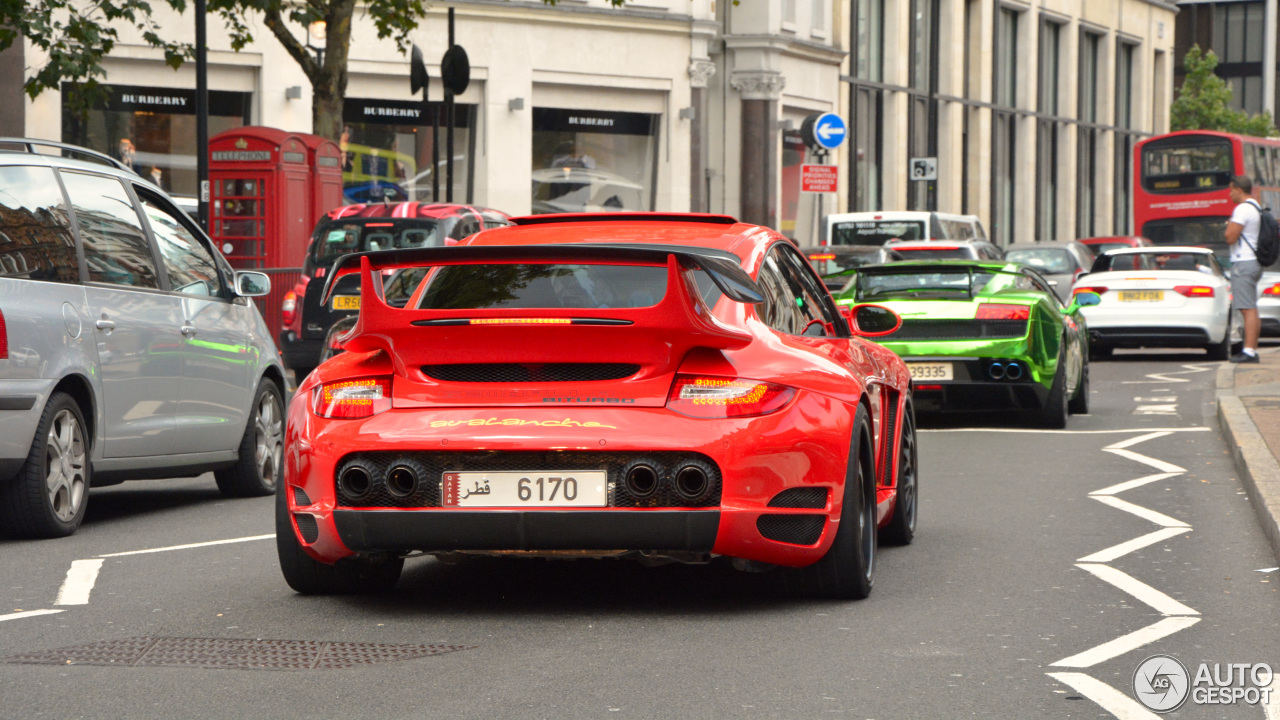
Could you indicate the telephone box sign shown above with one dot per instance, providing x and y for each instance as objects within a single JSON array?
[{"x": 819, "y": 178}]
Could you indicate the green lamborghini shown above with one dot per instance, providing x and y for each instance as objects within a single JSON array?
[{"x": 982, "y": 336}]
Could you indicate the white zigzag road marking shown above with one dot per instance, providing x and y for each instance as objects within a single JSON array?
[
  {"x": 1158, "y": 601},
  {"x": 1124, "y": 548},
  {"x": 1157, "y": 464},
  {"x": 1127, "y": 643},
  {"x": 27, "y": 613},
  {"x": 1136, "y": 440},
  {"x": 1131, "y": 484},
  {"x": 1110, "y": 699},
  {"x": 1178, "y": 615},
  {"x": 1161, "y": 378},
  {"x": 79, "y": 583},
  {"x": 1063, "y": 432},
  {"x": 1144, "y": 513}
]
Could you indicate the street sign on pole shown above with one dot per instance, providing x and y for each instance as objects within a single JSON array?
[
  {"x": 829, "y": 131},
  {"x": 819, "y": 178},
  {"x": 924, "y": 168}
]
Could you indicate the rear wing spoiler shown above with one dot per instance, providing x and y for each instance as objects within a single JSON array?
[{"x": 722, "y": 267}]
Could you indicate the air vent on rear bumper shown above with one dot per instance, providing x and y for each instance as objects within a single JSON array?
[
  {"x": 814, "y": 498},
  {"x": 307, "y": 527},
  {"x": 529, "y": 372},
  {"x": 794, "y": 529}
]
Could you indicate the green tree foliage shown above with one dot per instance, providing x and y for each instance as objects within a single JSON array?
[
  {"x": 1204, "y": 101},
  {"x": 74, "y": 36}
]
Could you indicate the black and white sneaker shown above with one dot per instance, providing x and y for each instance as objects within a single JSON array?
[{"x": 1242, "y": 357}]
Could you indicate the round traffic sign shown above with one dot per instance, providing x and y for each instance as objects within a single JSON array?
[{"x": 829, "y": 131}]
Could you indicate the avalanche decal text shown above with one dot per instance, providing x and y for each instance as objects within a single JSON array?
[{"x": 517, "y": 422}]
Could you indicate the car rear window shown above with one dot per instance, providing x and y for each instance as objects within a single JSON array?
[
  {"x": 1202, "y": 262},
  {"x": 544, "y": 286},
  {"x": 958, "y": 283},
  {"x": 1045, "y": 260},
  {"x": 875, "y": 232},
  {"x": 336, "y": 238},
  {"x": 35, "y": 237}
]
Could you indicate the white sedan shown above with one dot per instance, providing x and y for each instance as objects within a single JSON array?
[{"x": 1158, "y": 297}]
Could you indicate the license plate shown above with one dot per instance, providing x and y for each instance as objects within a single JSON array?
[
  {"x": 931, "y": 371},
  {"x": 534, "y": 488},
  {"x": 1141, "y": 295},
  {"x": 345, "y": 302}
]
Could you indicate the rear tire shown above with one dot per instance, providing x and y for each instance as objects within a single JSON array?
[
  {"x": 1054, "y": 413},
  {"x": 902, "y": 526},
  {"x": 49, "y": 495},
  {"x": 257, "y": 471},
  {"x": 1080, "y": 403},
  {"x": 309, "y": 576},
  {"x": 847, "y": 571}
]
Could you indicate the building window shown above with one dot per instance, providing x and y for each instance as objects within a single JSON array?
[
  {"x": 1047, "y": 131},
  {"x": 593, "y": 161},
  {"x": 1087, "y": 145},
  {"x": 867, "y": 105},
  {"x": 386, "y": 151},
  {"x": 789, "y": 14},
  {"x": 1005, "y": 126},
  {"x": 1124, "y": 141},
  {"x": 793, "y": 156},
  {"x": 152, "y": 130},
  {"x": 818, "y": 21},
  {"x": 1238, "y": 38}
]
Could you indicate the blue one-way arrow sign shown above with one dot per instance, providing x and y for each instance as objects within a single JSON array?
[{"x": 829, "y": 131}]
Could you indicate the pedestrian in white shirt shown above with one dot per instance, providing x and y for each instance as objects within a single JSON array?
[{"x": 1242, "y": 236}]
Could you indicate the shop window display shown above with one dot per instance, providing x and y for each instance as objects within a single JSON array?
[
  {"x": 593, "y": 161},
  {"x": 386, "y": 151},
  {"x": 151, "y": 130}
]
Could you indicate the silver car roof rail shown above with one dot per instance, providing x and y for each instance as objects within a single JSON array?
[{"x": 29, "y": 145}]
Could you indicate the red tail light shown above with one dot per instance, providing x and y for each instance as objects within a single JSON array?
[
  {"x": 996, "y": 311},
  {"x": 823, "y": 256},
  {"x": 1273, "y": 290},
  {"x": 928, "y": 387},
  {"x": 1194, "y": 291},
  {"x": 720, "y": 397},
  {"x": 320, "y": 271},
  {"x": 1096, "y": 289},
  {"x": 289, "y": 308},
  {"x": 350, "y": 399},
  {"x": 4, "y": 339}
]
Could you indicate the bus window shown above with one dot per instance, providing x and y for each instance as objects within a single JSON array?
[{"x": 1187, "y": 163}]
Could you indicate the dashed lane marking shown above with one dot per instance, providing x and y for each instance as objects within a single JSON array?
[
  {"x": 1127, "y": 643},
  {"x": 1158, "y": 601},
  {"x": 1160, "y": 465},
  {"x": 1124, "y": 548},
  {"x": 1156, "y": 410},
  {"x": 1155, "y": 517},
  {"x": 79, "y": 583},
  {"x": 1131, "y": 484},
  {"x": 190, "y": 546},
  {"x": 1140, "y": 439},
  {"x": 1110, "y": 699},
  {"x": 1065, "y": 432},
  {"x": 27, "y": 614}
]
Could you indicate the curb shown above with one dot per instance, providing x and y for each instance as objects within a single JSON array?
[{"x": 1253, "y": 459}]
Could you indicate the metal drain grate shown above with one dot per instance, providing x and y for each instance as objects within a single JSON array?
[{"x": 232, "y": 654}]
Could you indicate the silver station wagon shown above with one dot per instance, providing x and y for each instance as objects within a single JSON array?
[{"x": 129, "y": 348}]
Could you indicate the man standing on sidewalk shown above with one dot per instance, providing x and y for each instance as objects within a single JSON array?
[{"x": 1242, "y": 236}]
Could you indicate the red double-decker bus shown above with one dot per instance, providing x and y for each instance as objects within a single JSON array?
[{"x": 1180, "y": 184}]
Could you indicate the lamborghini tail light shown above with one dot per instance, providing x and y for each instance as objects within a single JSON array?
[
  {"x": 721, "y": 397},
  {"x": 289, "y": 308},
  {"x": 1194, "y": 291},
  {"x": 352, "y": 399},
  {"x": 1095, "y": 289},
  {"x": 996, "y": 311}
]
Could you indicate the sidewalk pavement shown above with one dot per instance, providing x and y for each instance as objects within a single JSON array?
[{"x": 1249, "y": 416}]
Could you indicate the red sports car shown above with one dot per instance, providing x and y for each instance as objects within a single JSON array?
[{"x": 670, "y": 387}]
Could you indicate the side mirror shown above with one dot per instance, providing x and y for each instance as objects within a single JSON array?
[
  {"x": 252, "y": 284},
  {"x": 871, "y": 320},
  {"x": 1083, "y": 300}
]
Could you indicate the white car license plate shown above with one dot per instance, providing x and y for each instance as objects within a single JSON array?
[
  {"x": 534, "y": 488},
  {"x": 931, "y": 371}
]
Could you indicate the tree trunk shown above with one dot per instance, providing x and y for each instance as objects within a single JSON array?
[{"x": 329, "y": 87}]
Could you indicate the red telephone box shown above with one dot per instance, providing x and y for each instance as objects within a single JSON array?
[
  {"x": 260, "y": 200},
  {"x": 326, "y": 181}
]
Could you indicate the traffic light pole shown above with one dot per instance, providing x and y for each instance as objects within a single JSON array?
[{"x": 202, "y": 115}]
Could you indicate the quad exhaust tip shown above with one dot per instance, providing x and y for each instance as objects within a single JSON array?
[
  {"x": 641, "y": 481},
  {"x": 402, "y": 481},
  {"x": 996, "y": 371},
  {"x": 355, "y": 482},
  {"x": 692, "y": 482},
  {"x": 1013, "y": 371}
]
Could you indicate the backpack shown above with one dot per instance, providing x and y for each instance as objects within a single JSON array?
[{"x": 1267, "y": 248}]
